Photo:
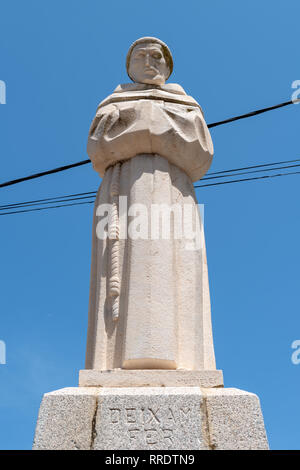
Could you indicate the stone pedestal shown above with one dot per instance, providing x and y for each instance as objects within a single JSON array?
[
  {"x": 151, "y": 418},
  {"x": 150, "y": 378}
]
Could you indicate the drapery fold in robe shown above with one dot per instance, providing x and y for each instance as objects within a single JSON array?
[{"x": 149, "y": 144}]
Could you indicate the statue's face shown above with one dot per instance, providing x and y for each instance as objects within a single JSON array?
[{"x": 148, "y": 64}]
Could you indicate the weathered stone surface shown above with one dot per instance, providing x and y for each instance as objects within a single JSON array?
[
  {"x": 174, "y": 418},
  {"x": 235, "y": 420},
  {"x": 150, "y": 378},
  {"x": 65, "y": 419},
  {"x": 158, "y": 328},
  {"x": 149, "y": 297},
  {"x": 149, "y": 60},
  {"x": 150, "y": 418},
  {"x": 185, "y": 140},
  {"x": 150, "y": 117}
]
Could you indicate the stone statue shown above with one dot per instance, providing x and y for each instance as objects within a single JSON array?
[{"x": 149, "y": 298}]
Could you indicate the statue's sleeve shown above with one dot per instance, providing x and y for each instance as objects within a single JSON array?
[{"x": 175, "y": 131}]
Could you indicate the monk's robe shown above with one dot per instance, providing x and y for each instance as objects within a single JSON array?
[{"x": 149, "y": 298}]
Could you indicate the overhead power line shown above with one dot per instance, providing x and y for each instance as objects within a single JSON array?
[
  {"x": 91, "y": 194},
  {"x": 248, "y": 179},
  {"x": 253, "y": 166},
  {"x": 249, "y": 172},
  {"x": 18, "y": 206},
  {"x": 46, "y": 208},
  {"x": 44, "y": 173},
  {"x": 253, "y": 113},
  {"x": 220, "y": 174},
  {"x": 50, "y": 200},
  {"x": 84, "y": 162},
  {"x": 66, "y": 201}
]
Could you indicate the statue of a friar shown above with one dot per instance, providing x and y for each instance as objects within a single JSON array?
[
  {"x": 149, "y": 297},
  {"x": 150, "y": 380}
]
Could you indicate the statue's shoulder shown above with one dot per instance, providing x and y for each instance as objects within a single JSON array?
[
  {"x": 174, "y": 88},
  {"x": 169, "y": 87},
  {"x": 170, "y": 92}
]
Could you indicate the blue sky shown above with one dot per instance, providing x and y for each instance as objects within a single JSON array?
[{"x": 58, "y": 60}]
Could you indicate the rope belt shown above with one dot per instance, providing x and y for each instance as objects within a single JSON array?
[{"x": 114, "y": 281}]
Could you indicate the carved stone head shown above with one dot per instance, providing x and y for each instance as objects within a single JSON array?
[{"x": 149, "y": 60}]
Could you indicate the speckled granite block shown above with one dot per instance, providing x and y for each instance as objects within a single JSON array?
[
  {"x": 151, "y": 418},
  {"x": 171, "y": 418},
  {"x": 235, "y": 420},
  {"x": 65, "y": 419}
]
